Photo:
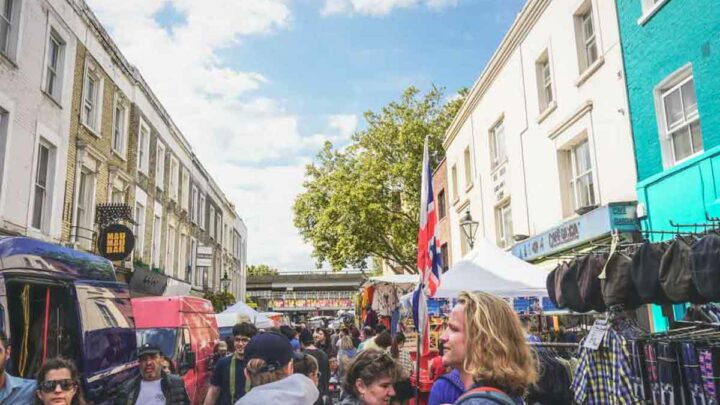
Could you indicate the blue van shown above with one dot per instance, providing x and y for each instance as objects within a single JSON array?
[{"x": 56, "y": 301}]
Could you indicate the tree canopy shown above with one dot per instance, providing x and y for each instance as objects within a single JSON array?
[
  {"x": 362, "y": 201},
  {"x": 261, "y": 270}
]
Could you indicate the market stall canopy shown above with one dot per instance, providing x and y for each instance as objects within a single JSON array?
[
  {"x": 395, "y": 279},
  {"x": 491, "y": 269},
  {"x": 241, "y": 312}
]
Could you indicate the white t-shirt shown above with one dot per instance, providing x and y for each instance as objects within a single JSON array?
[{"x": 150, "y": 393}]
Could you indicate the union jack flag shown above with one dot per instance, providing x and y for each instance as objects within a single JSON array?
[{"x": 428, "y": 257}]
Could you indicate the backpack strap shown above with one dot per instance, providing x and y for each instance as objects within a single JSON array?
[{"x": 491, "y": 393}]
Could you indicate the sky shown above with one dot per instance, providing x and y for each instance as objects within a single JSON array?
[{"x": 258, "y": 86}]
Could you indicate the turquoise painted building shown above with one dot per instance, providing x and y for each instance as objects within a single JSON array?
[{"x": 671, "y": 51}]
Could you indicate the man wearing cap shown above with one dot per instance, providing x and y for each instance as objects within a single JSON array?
[
  {"x": 152, "y": 386},
  {"x": 228, "y": 379},
  {"x": 269, "y": 368}
]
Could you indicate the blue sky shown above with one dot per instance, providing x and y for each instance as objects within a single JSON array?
[{"x": 257, "y": 86}]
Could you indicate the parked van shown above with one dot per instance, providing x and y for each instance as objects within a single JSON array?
[
  {"x": 56, "y": 301},
  {"x": 186, "y": 331}
]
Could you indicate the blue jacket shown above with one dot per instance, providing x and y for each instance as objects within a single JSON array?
[{"x": 446, "y": 389}]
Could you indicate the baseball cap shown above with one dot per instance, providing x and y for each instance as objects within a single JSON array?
[
  {"x": 149, "y": 348},
  {"x": 222, "y": 345},
  {"x": 271, "y": 347}
]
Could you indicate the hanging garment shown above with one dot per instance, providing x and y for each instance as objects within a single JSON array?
[
  {"x": 385, "y": 299},
  {"x": 691, "y": 374},
  {"x": 651, "y": 365},
  {"x": 603, "y": 376},
  {"x": 671, "y": 387},
  {"x": 707, "y": 372}
]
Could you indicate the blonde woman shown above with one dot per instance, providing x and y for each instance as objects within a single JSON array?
[{"x": 486, "y": 343}]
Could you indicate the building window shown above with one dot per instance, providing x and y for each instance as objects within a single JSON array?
[
  {"x": 582, "y": 188},
  {"x": 144, "y": 148},
  {"x": 174, "y": 178},
  {"x": 544, "y": 80},
  {"x": 92, "y": 99},
  {"x": 182, "y": 257},
  {"x": 170, "y": 258},
  {"x": 84, "y": 214},
  {"x": 9, "y": 24},
  {"x": 681, "y": 120},
  {"x": 468, "y": 167},
  {"x": 54, "y": 69},
  {"x": 442, "y": 209},
  {"x": 585, "y": 36},
  {"x": 201, "y": 212},
  {"x": 444, "y": 257},
  {"x": 160, "y": 166},
  {"x": 117, "y": 197},
  {"x": 42, "y": 187},
  {"x": 139, "y": 230},
  {"x": 185, "y": 197},
  {"x": 212, "y": 222},
  {"x": 218, "y": 227},
  {"x": 454, "y": 179},
  {"x": 157, "y": 228},
  {"x": 120, "y": 128},
  {"x": 497, "y": 145},
  {"x": 194, "y": 209},
  {"x": 503, "y": 225}
]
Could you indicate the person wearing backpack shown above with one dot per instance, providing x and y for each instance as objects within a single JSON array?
[{"x": 486, "y": 343}]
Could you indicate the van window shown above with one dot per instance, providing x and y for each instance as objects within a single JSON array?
[
  {"x": 165, "y": 338},
  {"x": 107, "y": 324}
]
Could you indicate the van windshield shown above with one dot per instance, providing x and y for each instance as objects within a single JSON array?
[{"x": 163, "y": 337}]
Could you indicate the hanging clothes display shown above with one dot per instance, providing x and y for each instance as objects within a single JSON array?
[{"x": 385, "y": 299}]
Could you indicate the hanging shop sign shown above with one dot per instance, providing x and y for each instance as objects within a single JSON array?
[
  {"x": 146, "y": 282},
  {"x": 116, "y": 242},
  {"x": 593, "y": 225}
]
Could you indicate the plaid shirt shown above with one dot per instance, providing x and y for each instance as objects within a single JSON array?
[{"x": 603, "y": 376}]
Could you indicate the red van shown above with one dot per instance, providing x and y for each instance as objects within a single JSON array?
[{"x": 186, "y": 330}]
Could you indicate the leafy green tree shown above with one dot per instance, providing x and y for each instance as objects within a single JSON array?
[
  {"x": 220, "y": 300},
  {"x": 362, "y": 202},
  {"x": 261, "y": 270}
]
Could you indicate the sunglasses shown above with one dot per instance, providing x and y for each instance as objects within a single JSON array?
[{"x": 49, "y": 386}]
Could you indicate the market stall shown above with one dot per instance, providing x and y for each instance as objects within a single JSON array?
[
  {"x": 240, "y": 312},
  {"x": 379, "y": 299}
]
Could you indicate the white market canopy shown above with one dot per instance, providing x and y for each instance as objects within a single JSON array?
[
  {"x": 490, "y": 269},
  {"x": 395, "y": 279},
  {"x": 242, "y": 312}
]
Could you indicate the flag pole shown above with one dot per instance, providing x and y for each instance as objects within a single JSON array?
[{"x": 417, "y": 369}]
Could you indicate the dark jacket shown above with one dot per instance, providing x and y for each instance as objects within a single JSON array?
[{"x": 172, "y": 387}]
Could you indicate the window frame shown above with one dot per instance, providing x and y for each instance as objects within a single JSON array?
[
  {"x": 185, "y": 189},
  {"x": 122, "y": 134},
  {"x": 195, "y": 204},
  {"x": 160, "y": 165},
  {"x": 584, "y": 17},
  {"x": 574, "y": 177},
  {"x": 54, "y": 89},
  {"x": 498, "y": 150},
  {"x": 201, "y": 210},
  {"x": 9, "y": 49},
  {"x": 687, "y": 120},
  {"x": 211, "y": 228},
  {"x": 441, "y": 204},
  {"x": 545, "y": 82},
  {"x": 143, "y": 159},
  {"x": 454, "y": 180},
  {"x": 92, "y": 119},
  {"x": 503, "y": 230},
  {"x": 139, "y": 229},
  {"x": 46, "y": 201},
  {"x": 174, "y": 178}
]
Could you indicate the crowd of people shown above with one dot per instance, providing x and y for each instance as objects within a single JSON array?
[{"x": 485, "y": 360}]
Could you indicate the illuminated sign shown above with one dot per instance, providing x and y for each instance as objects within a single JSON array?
[{"x": 116, "y": 242}]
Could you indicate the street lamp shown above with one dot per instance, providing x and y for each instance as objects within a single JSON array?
[
  {"x": 225, "y": 281},
  {"x": 469, "y": 227}
]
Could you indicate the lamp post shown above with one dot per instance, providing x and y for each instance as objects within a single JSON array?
[
  {"x": 469, "y": 228},
  {"x": 225, "y": 282}
]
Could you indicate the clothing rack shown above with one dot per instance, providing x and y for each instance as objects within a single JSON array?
[{"x": 555, "y": 344}]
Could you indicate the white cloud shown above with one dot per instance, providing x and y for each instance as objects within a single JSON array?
[
  {"x": 377, "y": 8},
  {"x": 250, "y": 144}
]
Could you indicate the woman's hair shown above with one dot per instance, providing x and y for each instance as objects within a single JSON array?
[
  {"x": 346, "y": 343},
  {"x": 496, "y": 352},
  {"x": 384, "y": 340},
  {"x": 58, "y": 363},
  {"x": 171, "y": 365},
  {"x": 259, "y": 376},
  {"x": 397, "y": 342},
  {"x": 305, "y": 366},
  {"x": 326, "y": 344},
  {"x": 369, "y": 366}
]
